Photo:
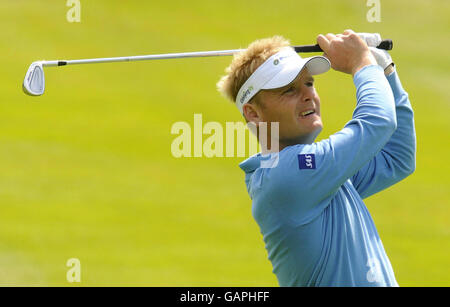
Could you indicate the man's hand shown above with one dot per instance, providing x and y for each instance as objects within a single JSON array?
[
  {"x": 383, "y": 59},
  {"x": 382, "y": 56},
  {"x": 371, "y": 39},
  {"x": 347, "y": 52}
]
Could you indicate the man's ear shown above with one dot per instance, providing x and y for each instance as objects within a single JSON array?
[{"x": 252, "y": 113}]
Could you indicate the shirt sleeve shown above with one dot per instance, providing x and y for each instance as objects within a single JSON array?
[
  {"x": 397, "y": 159},
  {"x": 314, "y": 172}
]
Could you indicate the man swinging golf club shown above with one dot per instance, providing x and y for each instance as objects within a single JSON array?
[{"x": 309, "y": 206}]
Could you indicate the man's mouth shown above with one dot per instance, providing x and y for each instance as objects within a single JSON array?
[{"x": 307, "y": 112}]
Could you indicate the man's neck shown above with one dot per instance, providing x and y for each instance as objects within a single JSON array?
[{"x": 285, "y": 143}]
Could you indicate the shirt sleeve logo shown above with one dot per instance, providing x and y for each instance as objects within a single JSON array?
[{"x": 307, "y": 161}]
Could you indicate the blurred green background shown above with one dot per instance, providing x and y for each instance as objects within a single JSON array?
[{"x": 86, "y": 170}]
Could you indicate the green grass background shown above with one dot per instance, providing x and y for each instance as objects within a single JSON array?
[{"x": 86, "y": 170}]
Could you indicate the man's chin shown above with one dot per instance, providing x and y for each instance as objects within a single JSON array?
[{"x": 311, "y": 137}]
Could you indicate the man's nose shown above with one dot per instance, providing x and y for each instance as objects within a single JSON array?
[{"x": 308, "y": 93}]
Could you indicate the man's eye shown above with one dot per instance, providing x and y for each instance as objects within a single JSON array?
[
  {"x": 288, "y": 90},
  {"x": 309, "y": 84}
]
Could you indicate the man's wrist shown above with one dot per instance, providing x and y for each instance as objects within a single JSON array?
[
  {"x": 389, "y": 70},
  {"x": 366, "y": 61},
  {"x": 361, "y": 66},
  {"x": 362, "y": 75}
]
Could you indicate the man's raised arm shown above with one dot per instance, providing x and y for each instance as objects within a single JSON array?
[{"x": 397, "y": 159}]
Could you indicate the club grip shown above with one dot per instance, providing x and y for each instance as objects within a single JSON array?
[{"x": 386, "y": 44}]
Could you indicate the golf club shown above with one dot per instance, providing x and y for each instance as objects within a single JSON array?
[{"x": 34, "y": 82}]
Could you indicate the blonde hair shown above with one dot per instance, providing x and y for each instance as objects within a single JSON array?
[{"x": 246, "y": 62}]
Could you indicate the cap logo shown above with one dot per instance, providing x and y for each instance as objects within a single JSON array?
[{"x": 246, "y": 93}]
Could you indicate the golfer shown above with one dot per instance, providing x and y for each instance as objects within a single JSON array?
[{"x": 309, "y": 204}]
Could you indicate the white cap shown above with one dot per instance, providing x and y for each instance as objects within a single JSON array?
[{"x": 277, "y": 71}]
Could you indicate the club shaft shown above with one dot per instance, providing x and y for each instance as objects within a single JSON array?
[
  {"x": 385, "y": 44},
  {"x": 145, "y": 57}
]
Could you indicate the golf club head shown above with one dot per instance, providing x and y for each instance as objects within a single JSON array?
[{"x": 34, "y": 82}]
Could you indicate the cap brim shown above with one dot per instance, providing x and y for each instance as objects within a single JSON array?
[
  {"x": 318, "y": 65},
  {"x": 315, "y": 65}
]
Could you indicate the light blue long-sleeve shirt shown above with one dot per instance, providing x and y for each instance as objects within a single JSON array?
[{"x": 309, "y": 207}]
